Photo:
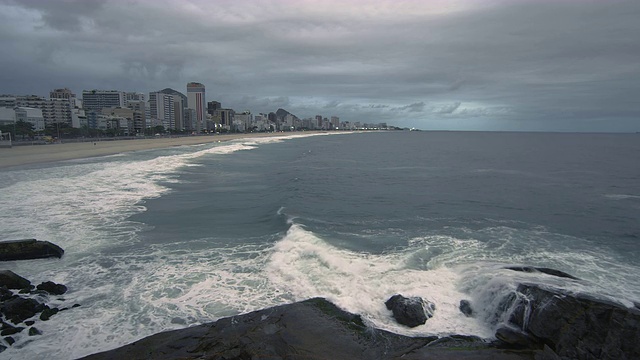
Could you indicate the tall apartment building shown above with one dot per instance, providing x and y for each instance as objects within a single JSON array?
[
  {"x": 196, "y": 100},
  {"x": 54, "y": 111},
  {"x": 167, "y": 106},
  {"x": 95, "y": 100},
  {"x": 139, "y": 116},
  {"x": 212, "y": 106},
  {"x": 335, "y": 122}
]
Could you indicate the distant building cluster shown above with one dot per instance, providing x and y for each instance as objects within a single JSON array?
[{"x": 168, "y": 110}]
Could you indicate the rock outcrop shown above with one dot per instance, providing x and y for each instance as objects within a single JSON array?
[
  {"x": 20, "y": 303},
  {"x": 573, "y": 326},
  {"x": 411, "y": 312},
  {"x": 311, "y": 329},
  {"x": 52, "y": 288},
  {"x": 28, "y": 249},
  {"x": 11, "y": 280}
]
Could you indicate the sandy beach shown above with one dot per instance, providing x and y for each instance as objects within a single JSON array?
[{"x": 34, "y": 154}]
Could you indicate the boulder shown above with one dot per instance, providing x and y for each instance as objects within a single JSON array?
[
  {"x": 13, "y": 281},
  {"x": 411, "y": 312},
  {"x": 465, "y": 308},
  {"x": 5, "y": 293},
  {"x": 576, "y": 326},
  {"x": 47, "y": 313},
  {"x": 52, "y": 288},
  {"x": 19, "y": 309},
  {"x": 28, "y": 249}
]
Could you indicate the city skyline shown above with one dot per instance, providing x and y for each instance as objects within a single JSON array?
[{"x": 508, "y": 65}]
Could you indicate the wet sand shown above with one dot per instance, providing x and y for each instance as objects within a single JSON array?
[{"x": 34, "y": 154}]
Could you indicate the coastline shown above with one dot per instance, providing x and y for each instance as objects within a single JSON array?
[{"x": 38, "y": 154}]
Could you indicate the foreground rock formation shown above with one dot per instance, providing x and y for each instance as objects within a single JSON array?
[
  {"x": 311, "y": 329},
  {"x": 21, "y": 306},
  {"x": 542, "y": 324},
  {"x": 574, "y": 326},
  {"x": 28, "y": 249}
]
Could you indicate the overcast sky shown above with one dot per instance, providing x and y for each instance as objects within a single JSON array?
[{"x": 554, "y": 65}]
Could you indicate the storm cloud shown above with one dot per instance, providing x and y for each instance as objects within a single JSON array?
[{"x": 457, "y": 65}]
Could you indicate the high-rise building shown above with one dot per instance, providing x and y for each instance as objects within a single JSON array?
[
  {"x": 54, "y": 111},
  {"x": 96, "y": 100},
  {"x": 335, "y": 122},
  {"x": 212, "y": 106},
  {"x": 139, "y": 115},
  {"x": 196, "y": 100}
]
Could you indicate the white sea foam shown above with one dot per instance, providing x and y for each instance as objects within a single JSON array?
[{"x": 306, "y": 266}]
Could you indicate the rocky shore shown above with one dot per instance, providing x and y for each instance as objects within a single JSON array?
[
  {"x": 23, "y": 305},
  {"x": 543, "y": 324}
]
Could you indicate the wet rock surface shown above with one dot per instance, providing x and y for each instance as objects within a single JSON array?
[
  {"x": 21, "y": 306},
  {"x": 28, "y": 249},
  {"x": 311, "y": 329},
  {"x": 572, "y": 326},
  {"x": 410, "y": 311}
]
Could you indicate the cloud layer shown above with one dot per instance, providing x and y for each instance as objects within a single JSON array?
[{"x": 494, "y": 65}]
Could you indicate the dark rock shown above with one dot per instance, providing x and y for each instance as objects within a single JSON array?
[
  {"x": 5, "y": 293},
  {"x": 515, "y": 338},
  {"x": 311, "y": 329},
  {"x": 52, "y": 288},
  {"x": 28, "y": 249},
  {"x": 11, "y": 330},
  {"x": 2, "y": 348},
  {"x": 412, "y": 312},
  {"x": 465, "y": 308},
  {"x": 29, "y": 322},
  {"x": 75, "y": 305},
  {"x": 19, "y": 309},
  {"x": 48, "y": 313},
  {"x": 577, "y": 326},
  {"x": 548, "y": 271},
  {"x": 34, "y": 331},
  {"x": 13, "y": 281},
  {"x": 10, "y": 340}
]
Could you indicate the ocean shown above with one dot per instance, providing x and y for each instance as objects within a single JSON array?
[{"x": 169, "y": 238}]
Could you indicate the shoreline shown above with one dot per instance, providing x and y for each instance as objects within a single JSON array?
[{"x": 39, "y": 154}]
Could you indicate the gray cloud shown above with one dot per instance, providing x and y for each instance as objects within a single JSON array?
[{"x": 507, "y": 65}]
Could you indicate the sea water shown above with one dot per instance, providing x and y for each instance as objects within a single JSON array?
[{"x": 170, "y": 238}]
